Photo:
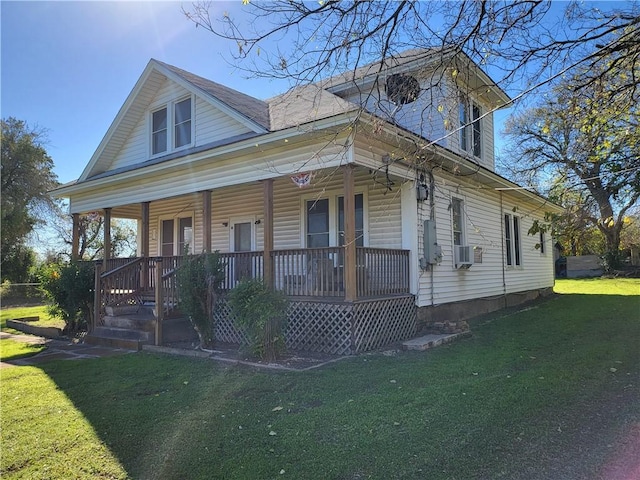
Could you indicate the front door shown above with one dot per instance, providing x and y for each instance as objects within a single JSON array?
[{"x": 242, "y": 241}]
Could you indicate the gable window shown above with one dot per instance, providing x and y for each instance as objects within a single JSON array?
[
  {"x": 512, "y": 240},
  {"x": 182, "y": 122},
  {"x": 457, "y": 209},
  {"x": 470, "y": 126},
  {"x": 172, "y": 126},
  {"x": 159, "y": 131}
]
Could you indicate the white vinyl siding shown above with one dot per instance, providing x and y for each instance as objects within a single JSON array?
[
  {"x": 484, "y": 217},
  {"x": 208, "y": 124}
]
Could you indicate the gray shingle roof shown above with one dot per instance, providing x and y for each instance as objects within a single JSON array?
[{"x": 252, "y": 108}]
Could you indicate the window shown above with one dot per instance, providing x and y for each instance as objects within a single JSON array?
[
  {"x": 542, "y": 242},
  {"x": 470, "y": 126},
  {"x": 172, "y": 229},
  {"x": 512, "y": 240},
  {"x": 325, "y": 221},
  {"x": 359, "y": 199},
  {"x": 457, "y": 221},
  {"x": 182, "y": 122},
  {"x": 159, "y": 131},
  {"x": 176, "y": 118},
  {"x": 318, "y": 223},
  {"x": 477, "y": 131}
]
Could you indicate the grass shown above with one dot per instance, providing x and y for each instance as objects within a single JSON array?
[
  {"x": 45, "y": 320},
  {"x": 12, "y": 350},
  {"x": 534, "y": 394}
]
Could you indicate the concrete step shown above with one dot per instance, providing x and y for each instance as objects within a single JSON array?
[
  {"x": 430, "y": 341},
  {"x": 144, "y": 321},
  {"x": 119, "y": 337}
]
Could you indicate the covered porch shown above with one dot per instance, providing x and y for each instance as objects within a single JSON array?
[{"x": 344, "y": 298}]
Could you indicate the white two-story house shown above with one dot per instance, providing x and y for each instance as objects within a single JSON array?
[{"x": 369, "y": 198}]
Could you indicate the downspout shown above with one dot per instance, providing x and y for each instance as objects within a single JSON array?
[
  {"x": 502, "y": 242},
  {"x": 432, "y": 217}
]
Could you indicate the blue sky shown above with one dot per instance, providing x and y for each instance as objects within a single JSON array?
[{"x": 69, "y": 66}]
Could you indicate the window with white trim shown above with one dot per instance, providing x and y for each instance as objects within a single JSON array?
[
  {"x": 324, "y": 221},
  {"x": 172, "y": 126},
  {"x": 176, "y": 236},
  {"x": 512, "y": 240},
  {"x": 457, "y": 221},
  {"x": 470, "y": 120}
]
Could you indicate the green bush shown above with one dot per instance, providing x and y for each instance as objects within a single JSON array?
[
  {"x": 262, "y": 313},
  {"x": 199, "y": 281},
  {"x": 69, "y": 289}
]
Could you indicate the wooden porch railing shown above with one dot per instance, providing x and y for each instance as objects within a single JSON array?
[
  {"x": 381, "y": 271},
  {"x": 309, "y": 271},
  {"x": 320, "y": 271},
  {"x": 314, "y": 272},
  {"x": 241, "y": 265},
  {"x": 131, "y": 282}
]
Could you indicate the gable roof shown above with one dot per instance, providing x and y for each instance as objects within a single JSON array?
[
  {"x": 252, "y": 108},
  {"x": 249, "y": 111}
]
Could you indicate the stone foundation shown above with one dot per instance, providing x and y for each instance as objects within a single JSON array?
[{"x": 452, "y": 317}]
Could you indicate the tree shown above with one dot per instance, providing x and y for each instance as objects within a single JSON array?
[
  {"x": 27, "y": 176},
  {"x": 589, "y": 138},
  {"x": 306, "y": 41},
  {"x": 91, "y": 237}
]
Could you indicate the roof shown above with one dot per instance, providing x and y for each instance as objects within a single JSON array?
[{"x": 250, "y": 107}]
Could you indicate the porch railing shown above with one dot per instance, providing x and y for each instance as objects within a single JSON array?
[
  {"x": 320, "y": 271},
  {"x": 313, "y": 272},
  {"x": 241, "y": 265},
  {"x": 381, "y": 271},
  {"x": 309, "y": 271}
]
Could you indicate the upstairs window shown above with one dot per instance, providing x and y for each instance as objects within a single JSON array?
[
  {"x": 182, "y": 122},
  {"x": 159, "y": 131},
  {"x": 171, "y": 127},
  {"x": 470, "y": 126}
]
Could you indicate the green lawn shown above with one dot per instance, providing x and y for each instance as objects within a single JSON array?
[
  {"x": 12, "y": 350},
  {"x": 45, "y": 320},
  {"x": 543, "y": 393}
]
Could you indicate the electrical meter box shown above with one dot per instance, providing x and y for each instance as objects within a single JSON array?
[{"x": 432, "y": 251}]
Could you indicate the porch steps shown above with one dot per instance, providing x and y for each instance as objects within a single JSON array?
[
  {"x": 430, "y": 341},
  {"x": 119, "y": 338},
  {"x": 134, "y": 330}
]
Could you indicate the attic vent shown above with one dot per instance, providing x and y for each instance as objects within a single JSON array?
[{"x": 402, "y": 89}]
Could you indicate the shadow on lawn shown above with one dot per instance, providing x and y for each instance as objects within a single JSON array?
[{"x": 530, "y": 396}]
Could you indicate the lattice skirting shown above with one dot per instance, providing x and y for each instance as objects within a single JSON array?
[{"x": 337, "y": 328}]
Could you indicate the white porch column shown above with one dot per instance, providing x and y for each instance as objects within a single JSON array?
[{"x": 409, "y": 217}]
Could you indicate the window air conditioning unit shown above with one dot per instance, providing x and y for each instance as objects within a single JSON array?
[{"x": 463, "y": 256}]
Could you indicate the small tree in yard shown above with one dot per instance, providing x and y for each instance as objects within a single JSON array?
[
  {"x": 262, "y": 313},
  {"x": 69, "y": 289},
  {"x": 199, "y": 279}
]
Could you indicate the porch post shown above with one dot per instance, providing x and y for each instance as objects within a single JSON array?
[
  {"x": 75, "y": 237},
  {"x": 350, "y": 281},
  {"x": 206, "y": 221},
  {"x": 267, "y": 187},
  {"x": 144, "y": 237},
  {"x": 144, "y": 247},
  {"x": 107, "y": 237}
]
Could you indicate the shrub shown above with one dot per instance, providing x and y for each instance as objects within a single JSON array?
[
  {"x": 199, "y": 281},
  {"x": 262, "y": 313},
  {"x": 69, "y": 289}
]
